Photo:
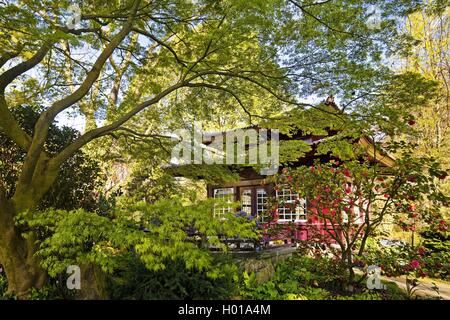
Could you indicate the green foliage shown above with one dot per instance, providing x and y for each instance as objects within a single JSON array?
[
  {"x": 437, "y": 242},
  {"x": 224, "y": 62},
  {"x": 134, "y": 281},
  {"x": 365, "y": 295},
  {"x": 3, "y": 287},
  {"x": 424, "y": 260},
  {"x": 304, "y": 278},
  {"x": 435, "y": 254},
  {"x": 159, "y": 233},
  {"x": 297, "y": 277}
]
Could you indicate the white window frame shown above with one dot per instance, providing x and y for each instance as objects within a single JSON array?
[
  {"x": 219, "y": 212},
  {"x": 300, "y": 209},
  {"x": 261, "y": 208},
  {"x": 245, "y": 193}
]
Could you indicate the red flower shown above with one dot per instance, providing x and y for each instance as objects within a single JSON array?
[
  {"x": 414, "y": 264},
  {"x": 325, "y": 210},
  {"x": 346, "y": 172},
  {"x": 327, "y": 190},
  {"x": 422, "y": 274},
  {"x": 386, "y": 195},
  {"x": 411, "y": 122}
]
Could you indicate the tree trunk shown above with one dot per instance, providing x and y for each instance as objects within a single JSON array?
[
  {"x": 93, "y": 283},
  {"x": 17, "y": 255},
  {"x": 347, "y": 263}
]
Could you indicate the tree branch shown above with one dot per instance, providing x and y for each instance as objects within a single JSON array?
[
  {"x": 10, "y": 126},
  {"x": 211, "y": 86},
  {"x": 41, "y": 129},
  {"x": 162, "y": 43},
  {"x": 9, "y": 75},
  {"x": 99, "y": 132}
]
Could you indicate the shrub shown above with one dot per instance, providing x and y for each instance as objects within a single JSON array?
[
  {"x": 297, "y": 277},
  {"x": 3, "y": 287},
  {"x": 306, "y": 278},
  {"x": 365, "y": 295},
  {"x": 135, "y": 281}
]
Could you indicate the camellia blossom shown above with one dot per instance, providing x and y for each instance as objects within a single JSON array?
[{"x": 414, "y": 264}]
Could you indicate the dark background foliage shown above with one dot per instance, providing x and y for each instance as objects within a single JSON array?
[{"x": 74, "y": 187}]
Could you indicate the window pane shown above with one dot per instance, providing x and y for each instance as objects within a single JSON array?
[
  {"x": 261, "y": 203},
  {"x": 246, "y": 201},
  {"x": 288, "y": 209},
  {"x": 227, "y": 195}
]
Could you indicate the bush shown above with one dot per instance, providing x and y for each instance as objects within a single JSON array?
[
  {"x": 365, "y": 295},
  {"x": 175, "y": 282},
  {"x": 427, "y": 260},
  {"x": 3, "y": 287},
  {"x": 297, "y": 277},
  {"x": 305, "y": 278}
]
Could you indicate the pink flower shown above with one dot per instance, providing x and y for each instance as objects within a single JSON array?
[
  {"x": 414, "y": 264},
  {"x": 346, "y": 172}
]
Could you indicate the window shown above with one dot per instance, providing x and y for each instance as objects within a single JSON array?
[
  {"x": 261, "y": 203},
  {"x": 288, "y": 208},
  {"x": 246, "y": 201},
  {"x": 227, "y": 195}
]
